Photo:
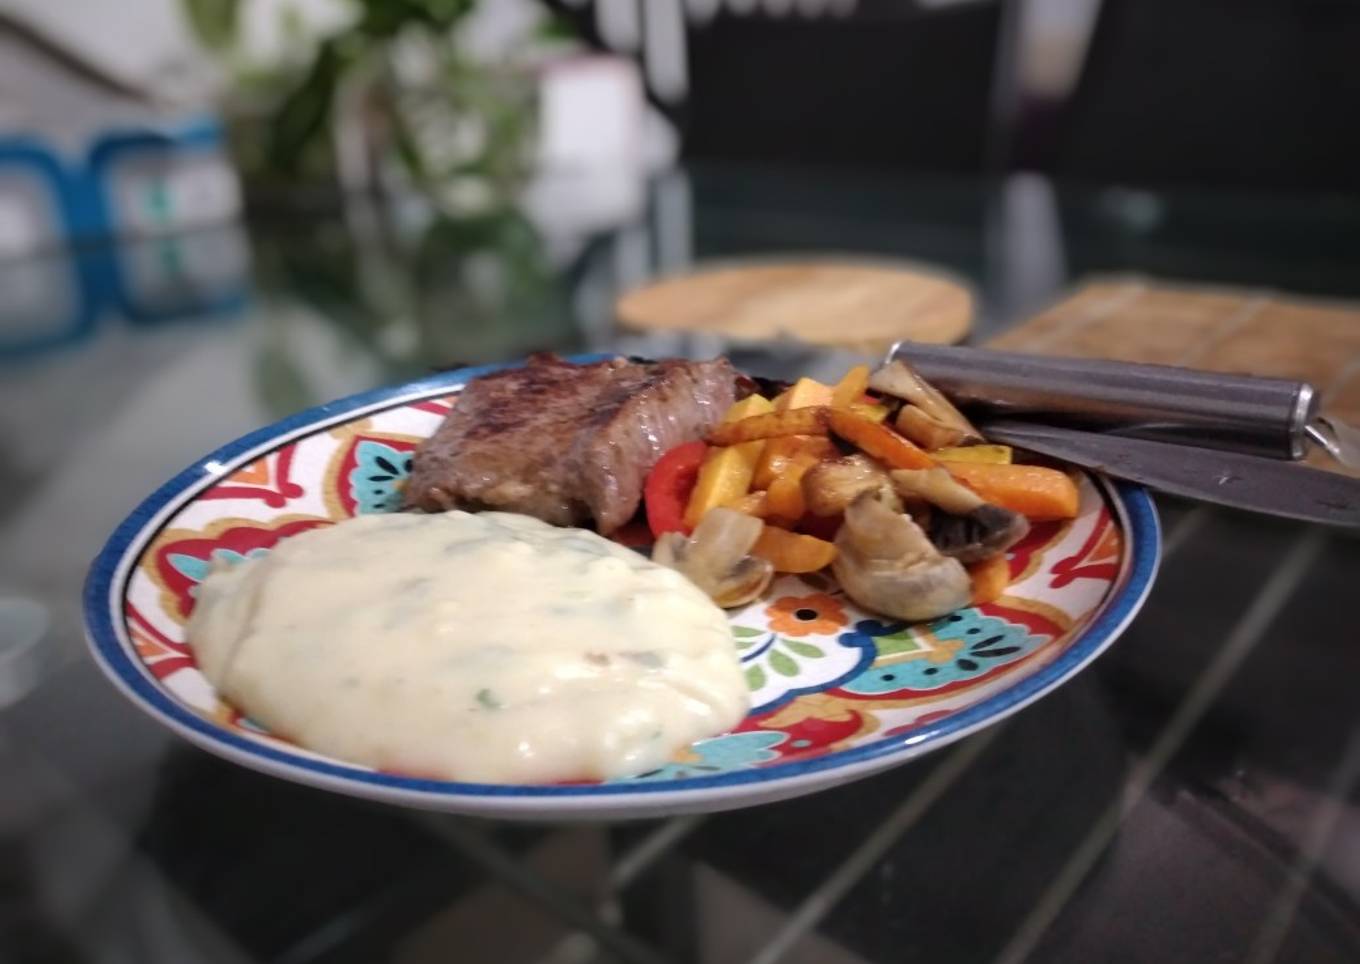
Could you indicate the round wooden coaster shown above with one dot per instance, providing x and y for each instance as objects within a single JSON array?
[{"x": 865, "y": 307}]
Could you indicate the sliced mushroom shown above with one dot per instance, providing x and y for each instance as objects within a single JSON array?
[
  {"x": 927, "y": 431},
  {"x": 969, "y": 529},
  {"x": 937, "y": 487},
  {"x": 921, "y": 512},
  {"x": 901, "y": 381},
  {"x": 717, "y": 557},
  {"x": 829, "y": 487},
  {"x": 886, "y": 563}
]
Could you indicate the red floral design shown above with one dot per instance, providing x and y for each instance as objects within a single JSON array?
[
  {"x": 252, "y": 481},
  {"x": 237, "y": 535},
  {"x": 1098, "y": 557}
]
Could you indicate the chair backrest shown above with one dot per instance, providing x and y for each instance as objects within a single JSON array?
[
  {"x": 878, "y": 83},
  {"x": 1245, "y": 94}
]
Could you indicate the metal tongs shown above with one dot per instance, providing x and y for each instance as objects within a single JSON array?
[{"x": 1218, "y": 437}]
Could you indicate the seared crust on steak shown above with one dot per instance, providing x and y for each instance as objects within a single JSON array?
[{"x": 567, "y": 443}]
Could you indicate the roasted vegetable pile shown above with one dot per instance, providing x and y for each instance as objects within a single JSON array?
[{"x": 879, "y": 477}]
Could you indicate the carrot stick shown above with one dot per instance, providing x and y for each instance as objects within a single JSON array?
[
  {"x": 791, "y": 552},
  {"x": 878, "y": 440},
  {"x": 1035, "y": 492},
  {"x": 850, "y": 387},
  {"x": 990, "y": 579},
  {"x": 795, "y": 421}
]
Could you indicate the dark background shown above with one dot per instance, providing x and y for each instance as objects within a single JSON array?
[{"x": 1246, "y": 94}]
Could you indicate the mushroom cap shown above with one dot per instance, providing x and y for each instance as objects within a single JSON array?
[
  {"x": 717, "y": 558},
  {"x": 900, "y": 380},
  {"x": 886, "y": 563},
  {"x": 830, "y": 486},
  {"x": 980, "y": 534},
  {"x": 968, "y": 529}
]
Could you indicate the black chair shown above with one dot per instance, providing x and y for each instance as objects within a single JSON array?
[{"x": 1241, "y": 94}]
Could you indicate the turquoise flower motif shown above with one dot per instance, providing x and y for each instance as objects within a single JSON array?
[
  {"x": 867, "y": 633},
  {"x": 974, "y": 644},
  {"x": 732, "y": 751},
  {"x": 196, "y": 569},
  {"x": 375, "y": 482}
]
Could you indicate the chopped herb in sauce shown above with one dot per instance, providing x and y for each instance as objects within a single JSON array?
[
  {"x": 646, "y": 657},
  {"x": 488, "y": 699}
]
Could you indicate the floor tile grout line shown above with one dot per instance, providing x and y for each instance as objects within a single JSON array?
[
  {"x": 1278, "y": 587},
  {"x": 534, "y": 887},
  {"x": 1266, "y": 947},
  {"x": 849, "y": 872}
]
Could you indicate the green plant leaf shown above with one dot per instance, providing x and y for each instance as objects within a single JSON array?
[
  {"x": 305, "y": 112},
  {"x": 488, "y": 699},
  {"x": 385, "y": 18},
  {"x": 804, "y": 649},
  {"x": 213, "y": 21},
  {"x": 407, "y": 148},
  {"x": 755, "y": 678},
  {"x": 782, "y": 664}
]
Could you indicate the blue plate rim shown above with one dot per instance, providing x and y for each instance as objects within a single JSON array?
[{"x": 108, "y": 573}]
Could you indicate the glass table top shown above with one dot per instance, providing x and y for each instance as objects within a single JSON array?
[{"x": 1192, "y": 796}]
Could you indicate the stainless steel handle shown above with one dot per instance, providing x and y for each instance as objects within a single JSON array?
[{"x": 1240, "y": 413}]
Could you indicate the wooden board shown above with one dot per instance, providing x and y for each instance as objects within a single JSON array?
[
  {"x": 862, "y": 307},
  {"x": 1218, "y": 329}
]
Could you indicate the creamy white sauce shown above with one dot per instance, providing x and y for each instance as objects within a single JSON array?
[{"x": 489, "y": 647}]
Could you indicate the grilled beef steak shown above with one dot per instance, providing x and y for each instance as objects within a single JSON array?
[{"x": 567, "y": 443}]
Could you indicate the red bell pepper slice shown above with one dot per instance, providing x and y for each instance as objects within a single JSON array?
[{"x": 669, "y": 485}]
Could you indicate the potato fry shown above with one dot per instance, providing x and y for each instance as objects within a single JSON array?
[
  {"x": 850, "y": 387},
  {"x": 990, "y": 578},
  {"x": 993, "y": 454},
  {"x": 877, "y": 440},
  {"x": 791, "y": 552},
  {"x": 796, "y": 421},
  {"x": 873, "y": 412},
  {"x": 779, "y": 453},
  {"x": 724, "y": 477},
  {"x": 785, "y": 499},
  {"x": 752, "y": 503},
  {"x": 748, "y": 406},
  {"x": 786, "y": 491},
  {"x": 805, "y": 393}
]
